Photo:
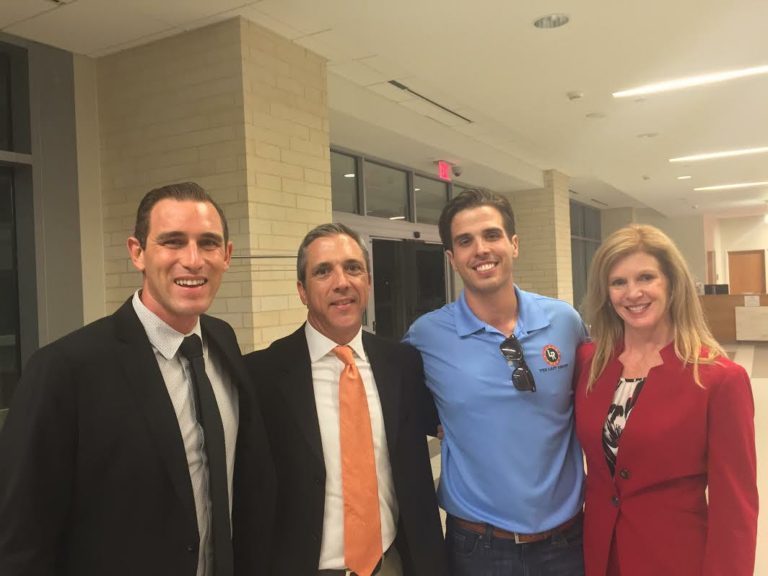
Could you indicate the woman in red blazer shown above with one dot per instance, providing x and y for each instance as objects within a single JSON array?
[{"x": 666, "y": 422}]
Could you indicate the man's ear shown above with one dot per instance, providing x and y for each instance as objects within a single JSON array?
[
  {"x": 302, "y": 292},
  {"x": 136, "y": 253},
  {"x": 515, "y": 245},
  {"x": 449, "y": 253},
  {"x": 228, "y": 254}
]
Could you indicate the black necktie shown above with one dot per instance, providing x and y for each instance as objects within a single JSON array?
[{"x": 213, "y": 440}]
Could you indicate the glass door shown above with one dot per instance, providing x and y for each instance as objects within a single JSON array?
[
  {"x": 9, "y": 300},
  {"x": 408, "y": 281}
]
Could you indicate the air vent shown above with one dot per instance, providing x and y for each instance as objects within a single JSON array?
[{"x": 405, "y": 88}]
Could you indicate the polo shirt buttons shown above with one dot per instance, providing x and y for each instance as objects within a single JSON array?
[
  {"x": 615, "y": 501},
  {"x": 192, "y": 548},
  {"x": 624, "y": 474}
]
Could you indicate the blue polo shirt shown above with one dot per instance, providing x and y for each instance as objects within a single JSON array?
[{"x": 509, "y": 458}]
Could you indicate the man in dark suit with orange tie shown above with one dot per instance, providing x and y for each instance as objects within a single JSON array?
[
  {"x": 133, "y": 445},
  {"x": 346, "y": 414}
]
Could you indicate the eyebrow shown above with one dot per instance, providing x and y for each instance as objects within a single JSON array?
[
  {"x": 329, "y": 264},
  {"x": 178, "y": 235}
]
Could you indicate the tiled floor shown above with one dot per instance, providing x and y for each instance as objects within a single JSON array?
[{"x": 753, "y": 358}]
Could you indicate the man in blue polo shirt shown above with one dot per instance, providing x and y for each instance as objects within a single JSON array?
[{"x": 499, "y": 363}]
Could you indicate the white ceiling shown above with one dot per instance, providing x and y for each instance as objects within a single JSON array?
[{"x": 486, "y": 61}]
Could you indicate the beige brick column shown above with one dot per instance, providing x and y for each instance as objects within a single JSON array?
[
  {"x": 543, "y": 224},
  {"x": 243, "y": 112},
  {"x": 288, "y": 163}
]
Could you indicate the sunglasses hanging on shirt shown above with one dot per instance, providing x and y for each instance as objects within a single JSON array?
[{"x": 522, "y": 377}]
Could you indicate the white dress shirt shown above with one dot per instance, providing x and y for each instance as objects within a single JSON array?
[
  {"x": 326, "y": 369},
  {"x": 177, "y": 375}
]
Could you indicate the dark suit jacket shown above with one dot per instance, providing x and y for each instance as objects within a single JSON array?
[
  {"x": 283, "y": 375},
  {"x": 93, "y": 473},
  {"x": 682, "y": 441}
]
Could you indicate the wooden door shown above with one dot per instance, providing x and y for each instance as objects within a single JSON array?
[
  {"x": 746, "y": 272},
  {"x": 711, "y": 273}
]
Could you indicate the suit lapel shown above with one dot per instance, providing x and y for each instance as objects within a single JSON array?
[
  {"x": 146, "y": 382},
  {"x": 295, "y": 384},
  {"x": 388, "y": 382}
]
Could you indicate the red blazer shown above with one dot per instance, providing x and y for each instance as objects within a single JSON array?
[{"x": 680, "y": 440}]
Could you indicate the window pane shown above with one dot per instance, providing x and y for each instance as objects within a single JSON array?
[
  {"x": 577, "y": 219},
  {"x": 386, "y": 192},
  {"x": 592, "y": 223},
  {"x": 344, "y": 183},
  {"x": 9, "y": 300},
  {"x": 5, "y": 101},
  {"x": 578, "y": 272},
  {"x": 431, "y": 196},
  {"x": 458, "y": 189}
]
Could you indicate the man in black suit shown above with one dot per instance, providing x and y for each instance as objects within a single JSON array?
[
  {"x": 107, "y": 456},
  {"x": 298, "y": 380}
]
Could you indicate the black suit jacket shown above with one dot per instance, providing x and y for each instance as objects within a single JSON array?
[
  {"x": 93, "y": 473},
  {"x": 283, "y": 375}
]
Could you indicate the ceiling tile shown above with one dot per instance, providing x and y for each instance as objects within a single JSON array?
[
  {"x": 17, "y": 10},
  {"x": 100, "y": 25},
  {"x": 356, "y": 72}
]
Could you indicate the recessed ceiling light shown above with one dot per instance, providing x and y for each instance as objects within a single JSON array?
[
  {"x": 417, "y": 189},
  {"x": 551, "y": 21},
  {"x": 690, "y": 81},
  {"x": 349, "y": 175},
  {"x": 723, "y": 154},
  {"x": 683, "y": 177},
  {"x": 731, "y": 186}
]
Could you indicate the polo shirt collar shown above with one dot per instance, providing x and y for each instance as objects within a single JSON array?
[{"x": 530, "y": 316}]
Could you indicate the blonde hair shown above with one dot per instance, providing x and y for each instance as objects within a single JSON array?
[{"x": 690, "y": 331}]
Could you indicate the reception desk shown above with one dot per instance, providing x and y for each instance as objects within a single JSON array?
[{"x": 721, "y": 311}]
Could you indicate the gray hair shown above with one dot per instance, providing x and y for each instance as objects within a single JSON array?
[{"x": 322, "y": 231}]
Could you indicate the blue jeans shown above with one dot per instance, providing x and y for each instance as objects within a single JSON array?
[{"x": 471, "y": 554}]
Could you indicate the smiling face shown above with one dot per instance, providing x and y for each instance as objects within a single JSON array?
[
  {"x": 336, "y": 287},
  {"x": 639, "y": 293},
  {"x": 481, "y": 252},
  {"x": 183, "y": 261}
]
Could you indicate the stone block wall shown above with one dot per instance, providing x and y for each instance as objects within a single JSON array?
[{"x": 243, "y": 112}]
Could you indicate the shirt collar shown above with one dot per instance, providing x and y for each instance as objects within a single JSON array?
[
  {"x": 530, "y": 316},
  {"x": 164, "y": 338},
  {"x": 320, "y": 345}
]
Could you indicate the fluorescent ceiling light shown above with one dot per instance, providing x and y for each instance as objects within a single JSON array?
[
  {"x": 683, "y": 177},
  {"x": 690, "y": 81},
  {"x": 731, "y": 186},
  {"x": 397, "y": 217},
  {"x": 724, "y": 154},
  {"x": 349, "y": 175}
]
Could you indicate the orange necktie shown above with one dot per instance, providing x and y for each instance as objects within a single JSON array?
[{"x": 362, "y": 522}]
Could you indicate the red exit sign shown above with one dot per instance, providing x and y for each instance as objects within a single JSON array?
[{"x": 444, "y": 170}]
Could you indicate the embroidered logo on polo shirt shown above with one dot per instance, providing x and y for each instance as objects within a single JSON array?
[{"x": 551, "y": 354}]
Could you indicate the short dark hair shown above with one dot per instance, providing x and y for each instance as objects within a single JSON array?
[
  {"x": 474, "y": 198},
  {"x": 180, "y": 191},
  {"x": 323, "y": 231}
]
